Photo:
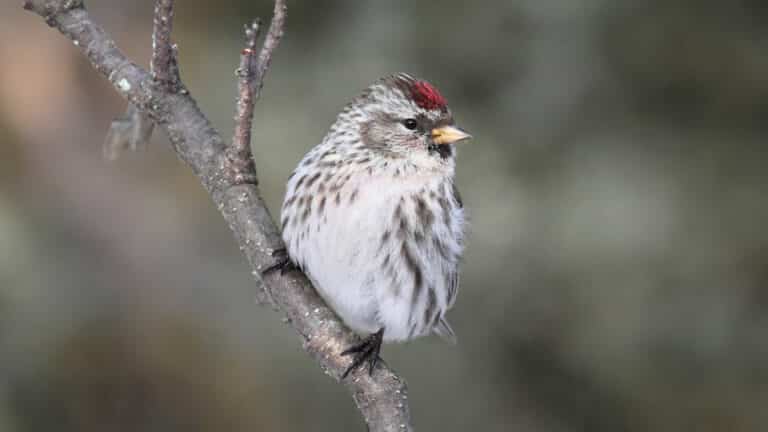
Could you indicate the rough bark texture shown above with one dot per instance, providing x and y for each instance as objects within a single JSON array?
[{"x": 228, "y": 174}]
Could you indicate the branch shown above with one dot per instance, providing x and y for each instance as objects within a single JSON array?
[
  {"x": 241, "y": 168},
  {"x": 133, "y": 129},
  {"x": 382, "y": 398},
  {"x": 275, "y": 34},
  {"x": 163, "y": 65}
]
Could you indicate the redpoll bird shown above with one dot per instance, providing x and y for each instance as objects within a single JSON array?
[{"x": 374, "y": 218}]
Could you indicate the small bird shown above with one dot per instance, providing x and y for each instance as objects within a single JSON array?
[{"x": 372, "y": 215}]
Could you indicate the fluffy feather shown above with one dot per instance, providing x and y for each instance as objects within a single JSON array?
[{"x": 373, "y": 217}]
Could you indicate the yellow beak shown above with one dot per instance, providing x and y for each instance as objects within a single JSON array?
[{"x": 449, "y": 135}]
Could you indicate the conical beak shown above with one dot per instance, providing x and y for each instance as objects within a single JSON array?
[{"x": 449, "y": 135}]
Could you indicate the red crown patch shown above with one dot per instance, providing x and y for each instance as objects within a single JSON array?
[{"x": 427, "y": 97}]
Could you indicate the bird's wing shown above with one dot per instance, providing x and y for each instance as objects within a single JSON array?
[{"x": 443, "y": 329}]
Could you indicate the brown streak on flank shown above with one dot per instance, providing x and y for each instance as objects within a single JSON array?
[
  {"x": 431, "y": 310},
  {"x": 285, "y": 221},
  {"x": 353, "y": 197},
  {"x": 383, "y": 243},
  {"x": 446, "y": 207},
  {"x": 441, "y": 248},
  {"x": 400, "y": 220},
  {"x": 413, "y": 268},
  {"x": 321, "y": 206},
  {"x": 313, "y": 179},
  {"x": 337, "y": 199},
  {"x": 402, "y": 231},
  {"x": 425, "y": 215},
  {"x": 457, "y": 196},
  {"x": 418, "y": 236},
  {"x": 306, "y": 203},
  {"x": 389, "y": 271},
  {"x": 300, "y": 182}
]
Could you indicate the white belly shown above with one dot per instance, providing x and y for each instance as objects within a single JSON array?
[{"x": 370, "y": 252}]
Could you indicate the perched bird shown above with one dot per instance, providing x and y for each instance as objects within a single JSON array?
[{"x": 372, "y": 215}]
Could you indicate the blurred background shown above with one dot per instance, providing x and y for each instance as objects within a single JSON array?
[{"x": 616, "y": 277}]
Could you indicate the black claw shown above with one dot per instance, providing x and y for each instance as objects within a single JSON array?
[
  {"x": 366, "y": 351},
  {"x": 284, "y": 263}
]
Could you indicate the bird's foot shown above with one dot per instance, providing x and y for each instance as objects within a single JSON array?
[
  {"x": 283, "y": 263},
  {"x": 366, "y": 351}
]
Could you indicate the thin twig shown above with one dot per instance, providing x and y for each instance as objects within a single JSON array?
[
  {"x": 241, "y": 141},
  {"x": 239, "y": 154},
  {"x": 381, "y": 398},
  {"x": 163, "y": 64},
  {"x": 271, "y": 41}
]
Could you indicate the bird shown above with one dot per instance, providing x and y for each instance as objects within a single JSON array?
[{"x": 373, "y": 216}]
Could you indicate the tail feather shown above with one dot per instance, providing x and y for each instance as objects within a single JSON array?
[{"x": 444, "y": 330}]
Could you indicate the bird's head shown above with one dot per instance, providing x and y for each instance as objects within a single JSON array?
[{"x": 402, "y": 117}]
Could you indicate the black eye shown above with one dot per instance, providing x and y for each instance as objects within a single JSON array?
[{"x": 410, "y": 124}]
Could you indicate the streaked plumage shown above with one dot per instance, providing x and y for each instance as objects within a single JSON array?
[{"x": 373, "y": 216}]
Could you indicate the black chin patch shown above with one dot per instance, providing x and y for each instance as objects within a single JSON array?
[{"x": 444, "y": 151}]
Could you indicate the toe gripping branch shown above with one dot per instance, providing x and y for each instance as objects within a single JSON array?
[
  {"x": 365, "y": 352},
  {"x": 284, "y": 263}
]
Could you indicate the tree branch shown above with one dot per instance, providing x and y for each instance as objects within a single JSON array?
[
  {"x": 133, "y": 129},
  {"x": 163, "y": 65},
  {"x": 241, "y": 167},
  {"x": 275, "y": 34},
  {"x": 382, "y": 398}
]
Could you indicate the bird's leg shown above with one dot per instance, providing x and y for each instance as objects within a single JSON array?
[
  {"x": 283, "y": 263},
  {"x": 366, "y": 351}
]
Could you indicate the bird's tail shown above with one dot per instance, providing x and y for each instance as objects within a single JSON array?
[{"x": 444, "y": 330}]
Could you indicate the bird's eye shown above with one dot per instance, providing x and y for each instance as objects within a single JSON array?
[{"x": 410, "y": 123}]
